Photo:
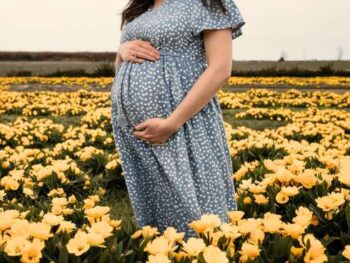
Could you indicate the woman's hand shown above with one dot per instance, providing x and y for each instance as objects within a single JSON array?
[
  {"x": 155, "y": 130},
  {"x": 137, "y": 51}
]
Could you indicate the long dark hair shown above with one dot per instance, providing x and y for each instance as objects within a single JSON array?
[{"x": 137, "y": 7}]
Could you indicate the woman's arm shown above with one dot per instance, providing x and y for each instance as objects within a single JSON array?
[{"x": 218, "y": 48}]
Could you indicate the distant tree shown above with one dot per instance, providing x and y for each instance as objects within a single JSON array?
[
  {"x": 340, "y": 53},
  {"x": 283, "y": 56}
]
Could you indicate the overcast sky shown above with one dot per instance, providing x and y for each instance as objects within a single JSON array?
[{"x": 302, "y": 29}]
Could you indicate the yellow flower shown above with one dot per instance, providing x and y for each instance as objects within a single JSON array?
[
  {"x": 20, "y": 228},
  {"x": 293, "y": 230},
  {"x": 290, "y": 190},
  {"x": 206, "y": 223},
  {"x": 193, "y": 246},
  {"x": 304, "y": 216},
  {"x": 97, "y": 211},
  {"x": 159, "y": 258},
  {"x": 159, "y": 245},
  {"x": 9, "y": 183},
  {"x": 346, "y": 252},
  {"x": 95, "y": 240},
  {"x": 256, "y": 235},
  {"x": 249, "y": 251},
  {"x": 213, "y": 254},
  {"x": 28, "y": 192},
  {"x": 307, "y": 178},
  {"x": 272, "y": 222},
  {"x": 282, "y": 197},
  {"x": 330, "y": 201},
  {"x": 246, "y": 226},
  {"x": 283, "y": 175},
  {"x": 32, "y": 251},
  {"x": 316, "y": 250},
  {"x": 40, "y": 230},
  {"x": 257, "y": 189},
  {"x": 67, "y": 211},
  {"x": 3, "y": 238},
  {"x": 172, "y": 235},
  {"x": 66, "y": 226},
  {"x": 344, "y": 170},
  {"x": 247, "y": 200},
  {"x": 230, "y": 231},
  {"x": 72, "y": 199},
  {"x": 260, "y": 199},
  {"x": 56, "y": 210},
  {"x": 101, "y": 228},
  {"x": 112, "y": 165},
  {"x": 235, "y": 215},
  {"x": 146, "y": 232},
  {"x": 78, "y": 245},
  {"x": 116, "y": 224},
  {"x": 2, "y": 195},
  {"x": 296, "y": 251},
  {"x": 52, "y": 219},
  {"x": 15, "y": 245},
  {"x": 178, "y": 255},
  {"x": 88, "y": 203},
  {"x": 59, "y": 201},
  {"x": 7, "y": 219}
]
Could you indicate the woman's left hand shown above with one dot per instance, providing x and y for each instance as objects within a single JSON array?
[{"x": 155, "y": 130}]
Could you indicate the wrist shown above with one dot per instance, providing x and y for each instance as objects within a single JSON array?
[{"x": 174, "y": 123}]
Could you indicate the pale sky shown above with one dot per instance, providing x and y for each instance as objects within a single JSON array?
[{"x": 302, "y": 29}]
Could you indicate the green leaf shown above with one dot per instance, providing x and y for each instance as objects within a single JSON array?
[
  {"x": 119, "y": 249},
  {"x": 63, "y": 256},
  {"x": 347, "y": 216},
  {"x": 317, "y": 213},
  {"x": 103, "y": 257}
]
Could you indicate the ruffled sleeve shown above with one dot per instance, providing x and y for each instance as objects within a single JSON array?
[{"x": 211, "y": 17}]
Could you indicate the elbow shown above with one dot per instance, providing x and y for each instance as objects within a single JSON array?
[
  {"x": 227, "y": 73},
  {"x": 222, "y": 73}
]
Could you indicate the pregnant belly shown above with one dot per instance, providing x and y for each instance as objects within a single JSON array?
[{"x": 152, "y": 89}]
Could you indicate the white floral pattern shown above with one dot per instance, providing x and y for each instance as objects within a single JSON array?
[{"x": 190, "y": 174}]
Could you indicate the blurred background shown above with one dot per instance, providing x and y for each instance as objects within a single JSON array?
[{"x": 275, "y": 30}]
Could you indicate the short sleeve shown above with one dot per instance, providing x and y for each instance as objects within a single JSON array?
[{"x": 211, "y": 17}]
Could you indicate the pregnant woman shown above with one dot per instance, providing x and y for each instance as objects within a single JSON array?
[{"x": 167, "y": 122}]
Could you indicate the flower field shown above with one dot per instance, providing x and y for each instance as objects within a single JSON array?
[{"x": 63, "y": 197}]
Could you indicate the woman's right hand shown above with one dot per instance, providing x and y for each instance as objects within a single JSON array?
[{"x": 137, "y": 51}]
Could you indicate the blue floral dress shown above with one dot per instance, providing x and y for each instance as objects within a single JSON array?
[{"x": 190, "y": 174}]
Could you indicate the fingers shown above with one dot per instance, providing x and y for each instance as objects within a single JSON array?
[
  {"x": 149, "y": 50},
  {"x": 142, "y": 125},
  {"x": 147, "y": 54},
  {"x": 142, "y": 135},
  {"x": 138, "y": 51},
  {"x": 146, "y": 50},
  {"x": 140, "y": 55},
  {"x": 152, "y": 141},
  {"x": 131, "y": 57}
]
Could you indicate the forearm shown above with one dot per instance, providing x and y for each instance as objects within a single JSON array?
[
  {"x": 118, "y": 61},
  {"x": 206, "y": 86}
]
